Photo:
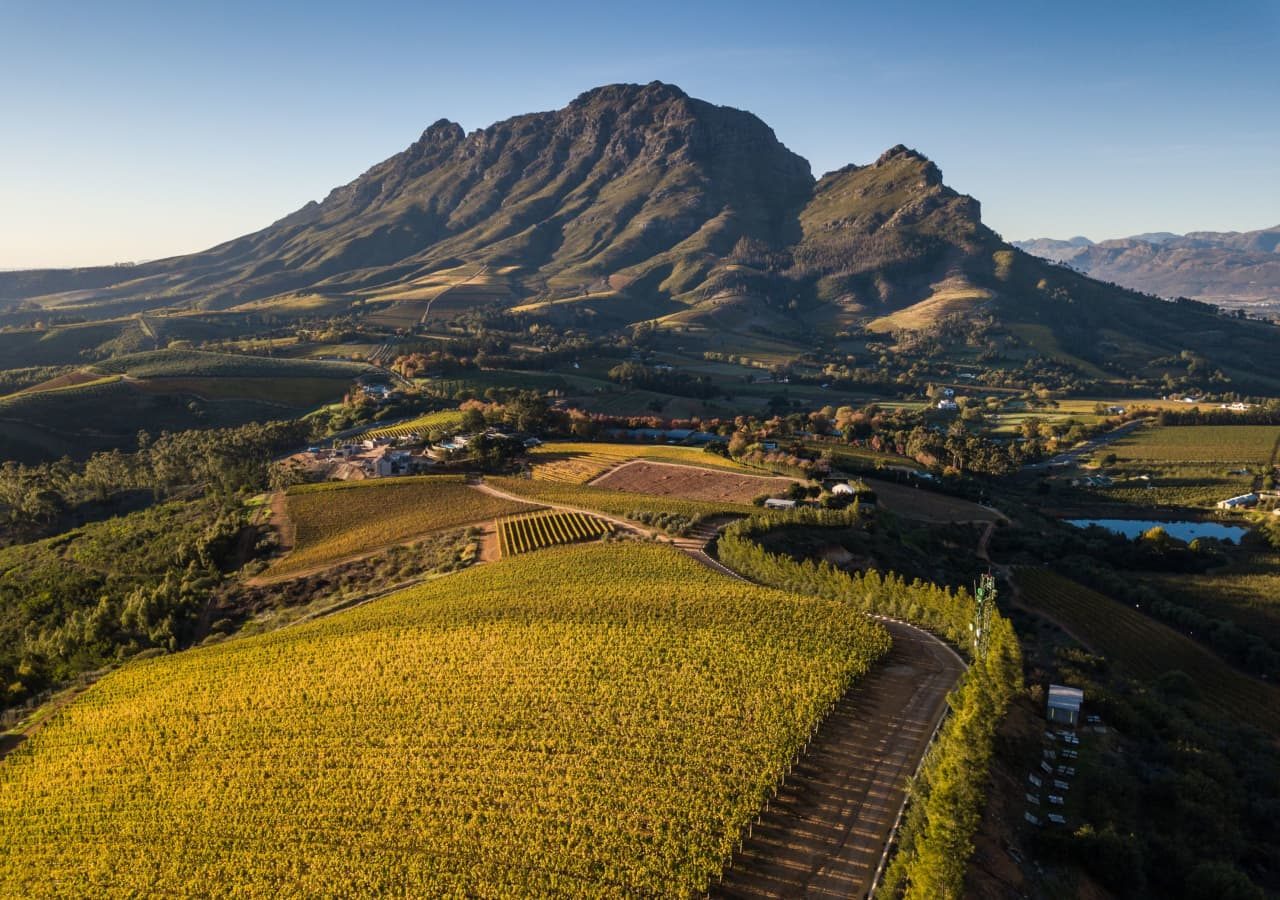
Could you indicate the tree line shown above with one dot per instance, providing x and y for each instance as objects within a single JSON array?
[{"x": 948, "y": 797}]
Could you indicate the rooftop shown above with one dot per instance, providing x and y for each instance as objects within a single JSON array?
[{"x": 1064, "y": 697}]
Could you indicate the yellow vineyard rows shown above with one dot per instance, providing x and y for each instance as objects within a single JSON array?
[
  {"x": 616, "y": 503},
  {"x": 519, "y": 534},
  {"x": 336, "y": 520},
  {"x": 578, "y": 463},
  {"x": 467, "y": 737},
  {"x": 445, "y": 419}
]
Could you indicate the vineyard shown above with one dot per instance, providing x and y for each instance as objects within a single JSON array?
[
  {"x": 578, "y": 463},
  {"x": 445, "y": 420},
  {"x": 200, "y": 363},
  {"x": 97, "y": 388},
  {"x": 1146, "y": 648},
  {"x": 1210, "y": 444},
  {"x": 336, "y": 520},
  {"x": 468, "y": 737},
  {"x": 519, "y": 534},
  {"x": 616, "y": 503}
]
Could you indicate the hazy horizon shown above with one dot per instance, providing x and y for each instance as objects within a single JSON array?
[{"x": 143, "y": 131}]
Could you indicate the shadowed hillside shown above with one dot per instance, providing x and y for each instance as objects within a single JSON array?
[{"x": 638, "y": 203}]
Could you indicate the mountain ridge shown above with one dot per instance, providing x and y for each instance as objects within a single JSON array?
[
  {"x": 638, "y": 203},
  {"x": 1231, "y": 268}
]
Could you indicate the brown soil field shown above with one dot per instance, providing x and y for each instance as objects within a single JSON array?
[{"x": 689, "y": 482}]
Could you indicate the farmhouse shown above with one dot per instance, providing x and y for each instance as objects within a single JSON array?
[
  {"x": 948, "y": 404},
  {"x": 1244, "y": 501},
  {"x": 1064, "y": 705},
  {"x": 775, "y": 503}
]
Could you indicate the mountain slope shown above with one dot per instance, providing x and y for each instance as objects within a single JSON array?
[
  {"x": 608, "y": 185},
  {"x": 639, "y": 203},
  {"x": 1228, "y": 268}
]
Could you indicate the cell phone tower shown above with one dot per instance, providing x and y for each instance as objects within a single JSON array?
[{"x": 984, "y": 594}]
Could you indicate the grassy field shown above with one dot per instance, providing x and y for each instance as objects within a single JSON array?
[
  {"x": 1145, "y": 648},
  {"x": 299, "y": 393},
  {"x": 468, "y": 737},
  {"x": 617, "y": 503},
  {"x": 1042, "y": 339},
  {"x": 578, "y": 463},
  {"x": 520, "y": 534},
  {"x": 336, "y": 520}
]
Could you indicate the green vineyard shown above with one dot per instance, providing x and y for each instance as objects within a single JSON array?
[
  {"x": 1144, "y": 647},
  {"x": 520, "y": 534}
]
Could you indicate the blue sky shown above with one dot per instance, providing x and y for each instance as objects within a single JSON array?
[{"x": 136, "y": 130}]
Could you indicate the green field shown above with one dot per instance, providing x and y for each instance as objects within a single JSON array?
[
  {"x": 199, "y": 363},
  {"x": 337, "y": 520},
  {"x": 1246, "y": 591},
  {"x": 1217, "y": 445},
  {"x": 1187, "y": 465},
  {"x": 1145, "y": 648},
  {"x": 468, "y": 737}
]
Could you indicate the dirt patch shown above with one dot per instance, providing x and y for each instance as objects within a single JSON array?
[
  {"x": 281, "y": 522},
  {"x": 690, "y": 482},
  {"x": 488, "y": 550}
]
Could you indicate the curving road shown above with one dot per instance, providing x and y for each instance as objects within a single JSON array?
[
  {"x": 825, "y": 833},
  {"x": 828, "y": 829}
]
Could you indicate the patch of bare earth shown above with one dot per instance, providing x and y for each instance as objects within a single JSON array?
[
  {"x": 489, "y": 549},
  {"x": 689, "y": 482}
]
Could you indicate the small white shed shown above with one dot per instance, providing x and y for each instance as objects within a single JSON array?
[{"x": 1064, "y": 705}]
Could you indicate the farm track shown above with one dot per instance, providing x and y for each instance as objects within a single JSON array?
[
  {"x": 472, "y": 277},
  {"x": 1074, "y": 454},
  {"x": 694, "y": 544},
  {"x": 826, "y": 832}
]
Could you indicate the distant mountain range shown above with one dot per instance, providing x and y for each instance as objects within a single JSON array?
[
  {"x": 638, "y": 203},
  {"x": 1229, "y": 268}
]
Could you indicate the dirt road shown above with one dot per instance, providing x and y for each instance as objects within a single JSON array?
[
  {"x": 824, "y": 834},
  {"x": 694, "y": 544}
]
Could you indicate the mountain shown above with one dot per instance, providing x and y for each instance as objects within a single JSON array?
[
  {"x": 638, "y": 203},
  {"x": 1231, "y": 269}
]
